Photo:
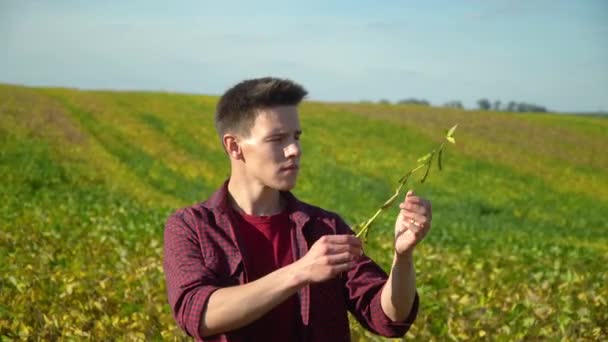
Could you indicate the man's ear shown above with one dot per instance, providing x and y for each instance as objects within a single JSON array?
[{"x": 232, "y": 146}]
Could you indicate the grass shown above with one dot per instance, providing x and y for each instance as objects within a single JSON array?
[{"x": 517, "y": 251}]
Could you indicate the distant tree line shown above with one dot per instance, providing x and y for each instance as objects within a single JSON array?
[
  {"x": 415, "y": 101},
  {"x": 482, "y": 104},
  {"x": 511, "y": 106},
  {"x": 454, "y": 104}
]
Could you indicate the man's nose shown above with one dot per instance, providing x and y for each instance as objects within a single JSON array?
[{"x": 293, "y": 150}]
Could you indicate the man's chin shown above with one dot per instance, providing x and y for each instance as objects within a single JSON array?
[{"x": 286, "y": 185}]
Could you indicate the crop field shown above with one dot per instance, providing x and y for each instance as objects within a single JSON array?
[{"x": 518, "y": 248}]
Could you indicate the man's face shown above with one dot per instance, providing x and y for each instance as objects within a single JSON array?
[{"x": 272, "y": 150}]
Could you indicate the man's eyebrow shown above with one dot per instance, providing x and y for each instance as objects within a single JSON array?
[{"x": 281, "y": 132}]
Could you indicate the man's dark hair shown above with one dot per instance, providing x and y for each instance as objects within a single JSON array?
[{"x": 238, "y": 107}]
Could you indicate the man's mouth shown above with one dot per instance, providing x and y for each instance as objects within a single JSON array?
[{"x": 292, "y": 167}]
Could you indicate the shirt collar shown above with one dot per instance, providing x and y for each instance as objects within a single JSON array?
[{"x": 298, "y": 211}]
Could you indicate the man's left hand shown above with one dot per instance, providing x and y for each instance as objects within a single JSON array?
[{"x": 413, "y": 223}]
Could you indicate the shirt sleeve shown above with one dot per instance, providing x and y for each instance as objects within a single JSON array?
[
  {"x": 189, "y": 282},
  {"x": 363, "y": 290}
]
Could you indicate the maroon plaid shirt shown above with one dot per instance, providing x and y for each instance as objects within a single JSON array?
[{"x": 202, "y": 253}]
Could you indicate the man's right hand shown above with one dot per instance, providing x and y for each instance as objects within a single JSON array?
[
  {"x": 328, "y": 257},
  {"x": 233, "y": 307}
]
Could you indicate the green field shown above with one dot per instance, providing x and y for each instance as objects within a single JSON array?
[{"x": 518, "y": 249}]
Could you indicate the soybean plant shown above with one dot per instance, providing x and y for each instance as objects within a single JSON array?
[{"x": 425, "y": 161}]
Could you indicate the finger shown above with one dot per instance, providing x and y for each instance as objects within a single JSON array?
[
  {"x": 341, "y": 248},
  {"x": 421, "y": 233},
  {"x": 336, "y": 248},
  {"x": 410, "y": 196},
  {"x": 414, "y": 224},
  {"x": 413, "y": 199},
  {"x": 409, "y": 204},
  {"x": 416, "y": 227},
  {"x": 419, "y": 218},
  {"x": 429, "y": 208},
  {"x": 341, "y": 239},
  {"x": 414, "y": 215},
  {"x": 341, "y": 258},
  {"x": 411, "y": 224},
  {"x": 343, "y": 267},
  {"x": 410, "y": 228},
  {"x": 418, "y": 208}
]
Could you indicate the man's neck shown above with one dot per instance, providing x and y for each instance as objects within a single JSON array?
[{"x": 253, "y": 198}]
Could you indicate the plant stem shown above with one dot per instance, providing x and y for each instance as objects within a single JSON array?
[
  {"x": 426, "y": 161},
  {"x": 388, "y": 202}
]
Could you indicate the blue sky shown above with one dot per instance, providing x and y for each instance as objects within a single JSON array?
[{"x": 552, "y": 53}]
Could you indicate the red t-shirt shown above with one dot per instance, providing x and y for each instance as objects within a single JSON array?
[{"x": 268, "y": 244}]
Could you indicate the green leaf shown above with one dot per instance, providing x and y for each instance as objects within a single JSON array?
[
  {"x": 451, "y": 139},
  {"x": 451, "y": 131}
]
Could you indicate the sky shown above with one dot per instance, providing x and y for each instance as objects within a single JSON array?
[{"x": 550, "y": 53}]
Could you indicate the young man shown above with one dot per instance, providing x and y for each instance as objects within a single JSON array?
[{"x": 253, "y": 263}]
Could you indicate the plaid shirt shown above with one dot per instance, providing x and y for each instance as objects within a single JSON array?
[{"x": 202, "y": 253}]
